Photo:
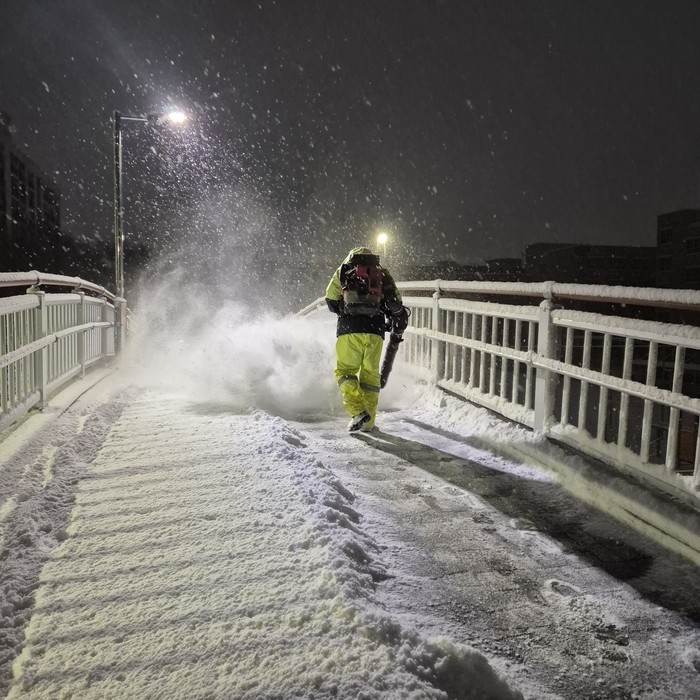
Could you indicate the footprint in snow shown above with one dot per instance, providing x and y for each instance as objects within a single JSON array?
[{"x": 566, "y": 590}]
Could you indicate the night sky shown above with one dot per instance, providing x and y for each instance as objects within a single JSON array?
[{"x": 466, "y": 128}]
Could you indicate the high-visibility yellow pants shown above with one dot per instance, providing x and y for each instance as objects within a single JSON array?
[{"x": 357, "y": 358}]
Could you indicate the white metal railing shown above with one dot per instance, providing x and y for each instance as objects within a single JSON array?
[
  {"x": 622, "y": 390},
  {"x": 48, "y": 339},
  {"x": 38, "y": 279}
]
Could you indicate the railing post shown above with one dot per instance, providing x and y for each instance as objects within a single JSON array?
[
  {"x": 5, "y": 371},
  {"x": 41, "y": 358},
  {"x": 104, "y": 334},
  {"x": 674, "y": 417},
  {"x": 437, "y": 360},
  {"x": 648, "y": 415},
  {"x": 119, "y": 325},
  {"x": 81, "y": 336},
  {"x": 544, "y": 382}
]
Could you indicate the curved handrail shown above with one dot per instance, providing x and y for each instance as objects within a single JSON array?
[
  {"x": 36, "y": 279},
  {"x": 313, "y": 306}
]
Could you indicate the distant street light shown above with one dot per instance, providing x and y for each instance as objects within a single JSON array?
[
  {"x": 120, "y": 302},
  {"x": 382, "y": 238}
]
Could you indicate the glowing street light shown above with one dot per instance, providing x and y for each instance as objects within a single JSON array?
[
  {"x": 175, "y": 118},
  {"x": 382, "y": 238}
]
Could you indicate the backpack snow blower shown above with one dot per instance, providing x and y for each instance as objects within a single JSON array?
[
  {"x": 389, "y": 355},
  {"x": 397, "y": 325}
]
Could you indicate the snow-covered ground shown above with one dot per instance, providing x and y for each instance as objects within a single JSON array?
[{"x": 201, "y": 526}]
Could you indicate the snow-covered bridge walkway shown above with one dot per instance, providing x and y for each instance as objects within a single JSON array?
[{"x": 160, "y": 546}]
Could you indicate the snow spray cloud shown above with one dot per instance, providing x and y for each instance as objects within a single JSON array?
[{"x": 231, "y": 357}]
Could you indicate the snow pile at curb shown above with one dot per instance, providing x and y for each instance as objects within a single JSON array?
[{"x": 212, "y": 556}]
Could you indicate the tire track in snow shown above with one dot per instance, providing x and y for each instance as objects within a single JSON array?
[{"x": 39, "y": 484}]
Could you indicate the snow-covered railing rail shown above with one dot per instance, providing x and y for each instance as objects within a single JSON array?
[
  {"x": 622, "y": 390},
  {"x": 38, "y": 279},
  {"x": 48, "y": 339}
]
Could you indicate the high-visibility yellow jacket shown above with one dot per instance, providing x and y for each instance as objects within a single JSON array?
[{"x": 390, "y": 304}]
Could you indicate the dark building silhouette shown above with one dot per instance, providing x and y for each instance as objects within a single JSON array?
[
  {"x": 678, "y": 246},
  {"x": 632, "y": 266},
  {"x": 30, "y": 208},
  {"x": 504, "y": 270},
  {"x": 629, "y": 266},
  {"x": 444, "y": 270}
]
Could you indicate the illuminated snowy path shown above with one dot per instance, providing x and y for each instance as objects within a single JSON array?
[
  {"x": 209, "y": 553},
  {"x": 210, "y": 557}
]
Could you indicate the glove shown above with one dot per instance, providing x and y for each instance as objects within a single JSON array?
[
  {"x": 399, "y": 321},
  {"x": 335, "y": 305}
]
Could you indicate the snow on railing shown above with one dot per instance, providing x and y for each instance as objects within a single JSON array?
[
  {"x": 48, "y": 339},
  {"x": 622, "y": 390},
  {"x": 38, "y": 279}
]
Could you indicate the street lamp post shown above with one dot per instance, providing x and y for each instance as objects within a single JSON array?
[{"x": 120, "y": 301}]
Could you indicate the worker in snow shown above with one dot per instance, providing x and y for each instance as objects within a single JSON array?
[{"x": 364, "y": 295}]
